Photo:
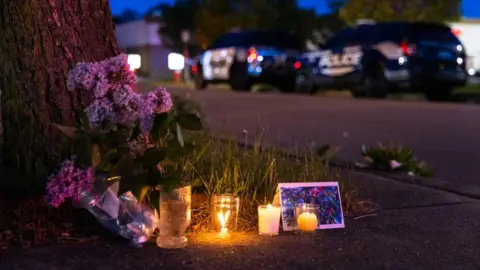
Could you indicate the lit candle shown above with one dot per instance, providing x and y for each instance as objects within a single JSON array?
[
  {"x": 268, "y": 219},
  {"x": 307, "y": 222},
  {"x": 223, "y": 218}
]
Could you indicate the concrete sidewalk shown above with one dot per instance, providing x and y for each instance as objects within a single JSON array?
[{"x": 416, "y": 228}]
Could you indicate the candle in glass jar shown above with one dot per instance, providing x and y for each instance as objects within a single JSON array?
[
  {"x": 223, "y": 218},
  {"x": 268, "y": 219},
  {"x": 307, "y": 222}
]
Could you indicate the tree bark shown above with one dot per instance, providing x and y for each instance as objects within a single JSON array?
[{"x": 41, "y": 40}]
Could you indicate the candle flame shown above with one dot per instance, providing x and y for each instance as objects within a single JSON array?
[
  {"x": 269, "y": 207},
  {"x": 223, "y": 218}
]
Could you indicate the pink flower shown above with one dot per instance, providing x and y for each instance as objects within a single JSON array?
[
  {"x": 68, "y": 183},
  {"x": 154, "y": 102},
  {"x": 395, "y": 164},
  {"x": 114, "y": 100},
  {"x": 162, "y": 98}
]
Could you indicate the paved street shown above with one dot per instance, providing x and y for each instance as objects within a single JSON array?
[{"x": 447, "y": 136}]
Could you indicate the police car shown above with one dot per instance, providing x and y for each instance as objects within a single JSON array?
[
  {"x": 244, "y": 58},
  {"x": 373, "y": 59}
]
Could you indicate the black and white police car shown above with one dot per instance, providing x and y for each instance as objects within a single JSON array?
[
  {"x": 373, "y": 59},
  {"x": 243, "y": 58}
]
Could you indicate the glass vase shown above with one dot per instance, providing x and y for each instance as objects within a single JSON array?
[{"x": 175, "y": 217}]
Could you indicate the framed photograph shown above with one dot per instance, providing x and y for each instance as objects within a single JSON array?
[{"x": 324, "y": 194}]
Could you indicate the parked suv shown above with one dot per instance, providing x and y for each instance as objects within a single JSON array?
[
  {"x": 376, "y": 58},
  {"x": 247, "y": 57}
]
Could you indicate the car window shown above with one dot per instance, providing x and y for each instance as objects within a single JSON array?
[
  {"x": 340, "y": 39},
  {"x": 364, "y": 34},
  {"x": 384, "y": 32},
  {"x": 432, "y": 33}
]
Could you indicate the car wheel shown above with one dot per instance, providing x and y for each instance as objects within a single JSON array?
[
  {"x": 439, "y": 94},
  {"x": 303, "y": 84},
  {"x": 372, "y": 85},
  {"x": 200, "y": 83},
  {"x": 240, "y": 82}
]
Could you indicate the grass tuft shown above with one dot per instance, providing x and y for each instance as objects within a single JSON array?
[
  {"x": 253, "y": 173},
  {"x": 391, "y": 157}
]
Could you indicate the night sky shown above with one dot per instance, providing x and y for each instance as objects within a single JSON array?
[{"x": 471, "y": 8}]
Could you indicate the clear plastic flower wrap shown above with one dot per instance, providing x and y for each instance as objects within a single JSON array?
[{"x": 122, "y": 215}]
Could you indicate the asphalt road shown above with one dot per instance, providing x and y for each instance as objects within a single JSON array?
[
  {"x": 446, "y": 135},
  {"x": 443, "y": 238}
]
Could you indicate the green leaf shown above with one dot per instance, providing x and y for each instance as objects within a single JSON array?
[
  {"x": 96, "y": 157},
  {"x": 142, "y": 192},
  {"x": 190, "y": 121},
  {"x": 154, "y": 177},
  {"x": 110, "y": 158},
  {"x": 153, "y": 156},
  {"x": 135, "y": 133},
  {"x": 83, "y": 150},
  {"x": 127, "y": 167},
  {"x": 171, "y": 180},
  {"x": 176, "y": 151},
  {"x": 160, "y": 126},
  {"x": 179, "y": 135},
  {"x": 116, "y": 139},
  {"x": 131, "y": 173},
  {"x": 69, "y": 132},
  {"x": 84, "y": 122}
]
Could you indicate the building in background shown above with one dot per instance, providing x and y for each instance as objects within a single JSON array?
[
  {"x": 467, "y": 31},
  {"x": 141, "y": 37}
]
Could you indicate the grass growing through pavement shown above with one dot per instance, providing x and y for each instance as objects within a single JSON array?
[
  {"x": 253, "y": 174},
  {"x": 389, "y": 157}
]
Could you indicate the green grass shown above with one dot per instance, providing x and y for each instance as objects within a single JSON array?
[
  {"x": 253, "y": 174},
  {"x": 381, "y": 157},
  {"x": 473, "y": 89}
]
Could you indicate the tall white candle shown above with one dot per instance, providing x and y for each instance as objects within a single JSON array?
[{"x": 268, "y": 219}]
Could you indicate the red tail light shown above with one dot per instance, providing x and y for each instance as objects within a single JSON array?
[
  {"x": 456, "y": 32},
  {"x": 297, "y": 65},
  {"x": 194, "y": 69},
  {"x": 407, "y": 49},
  {"x": 252, "y": 55}
]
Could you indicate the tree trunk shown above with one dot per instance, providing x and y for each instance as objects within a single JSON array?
[{"x": 41, "y": 40}]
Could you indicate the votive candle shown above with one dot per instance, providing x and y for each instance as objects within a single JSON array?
[
  {"x": 268, "y": 219},
  {"x": 307, "y": 222}
]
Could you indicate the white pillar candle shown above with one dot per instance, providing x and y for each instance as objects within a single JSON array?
[{"x": 268, "y": 219}]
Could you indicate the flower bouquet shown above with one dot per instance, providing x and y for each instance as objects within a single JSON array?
[{"x": 125, "y": 143}]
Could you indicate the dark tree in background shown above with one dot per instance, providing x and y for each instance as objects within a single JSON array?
[
  {"x": 216, "y": 17},
  {"x": 174, "y": 19},
  {"x": 401, "y": 10},
  {"x": 335, "y": 5},
  {"x": 127, "y": 15},
  {"x": 208, "y": 19},
  {"x": 40, "y": 42}
]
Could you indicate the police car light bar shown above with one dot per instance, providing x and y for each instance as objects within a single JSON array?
[{"x": 365, "y": 21}]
